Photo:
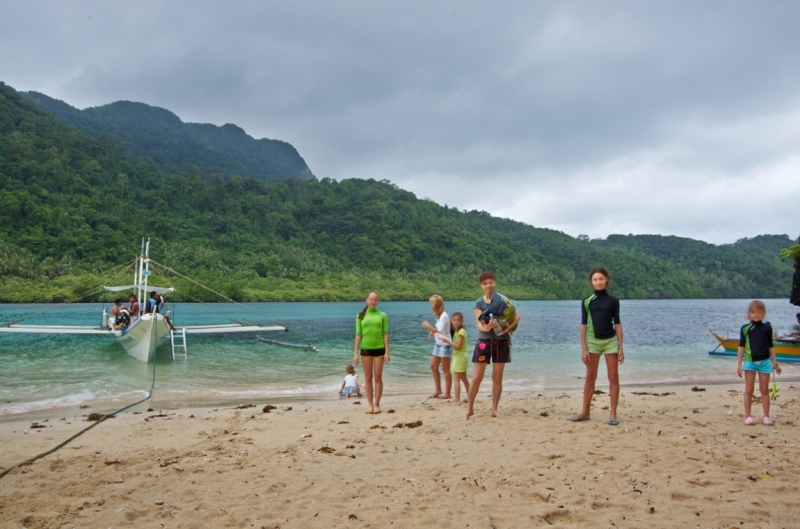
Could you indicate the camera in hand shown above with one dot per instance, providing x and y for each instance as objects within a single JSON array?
[{"x": 486, "y": 318}]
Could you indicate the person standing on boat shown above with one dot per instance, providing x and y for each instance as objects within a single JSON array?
[
  {"x": 601, "y": 335},
  {"x": 372, "y": 341},
  {"x": 135, "y": 309},
  {"x": 154, "y": 305}
]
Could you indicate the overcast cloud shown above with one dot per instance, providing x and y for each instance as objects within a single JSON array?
[{"x": 588, "y": 117}]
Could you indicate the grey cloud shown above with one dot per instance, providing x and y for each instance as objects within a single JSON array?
[{"x": 542, "y": 99}]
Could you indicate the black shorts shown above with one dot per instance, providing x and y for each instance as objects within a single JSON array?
[
  {"x": 373, "y": 352},
  {"x": 492, "y": 350}
]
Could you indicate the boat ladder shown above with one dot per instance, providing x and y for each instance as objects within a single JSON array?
[{"x": 178, "y": 340}]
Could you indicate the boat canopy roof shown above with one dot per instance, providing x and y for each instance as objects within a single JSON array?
[{"x": 150, "y": 288}]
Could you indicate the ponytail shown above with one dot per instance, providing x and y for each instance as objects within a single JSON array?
[{"x": 364, "y": 311}]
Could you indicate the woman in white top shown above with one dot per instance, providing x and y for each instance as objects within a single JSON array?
[{"x": 442, "y": 352}]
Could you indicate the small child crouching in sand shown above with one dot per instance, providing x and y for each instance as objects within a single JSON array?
[
  {"x": 350, "y": 384},
  {"x": 459, "y": 364},
  {"x": 756, "y": 355}
]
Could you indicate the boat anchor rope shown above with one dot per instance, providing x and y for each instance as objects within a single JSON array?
[{"x": 75, "y": 436}]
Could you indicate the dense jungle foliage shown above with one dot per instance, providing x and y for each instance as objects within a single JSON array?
[{"x": 72, "y": 208}]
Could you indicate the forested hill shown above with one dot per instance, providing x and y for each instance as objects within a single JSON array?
[
  {"x": 174, "y": 146},
  {"x": 72, "y": 206}
]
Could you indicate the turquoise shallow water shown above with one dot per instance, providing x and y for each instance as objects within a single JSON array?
[{"x": 666, "y": 342}]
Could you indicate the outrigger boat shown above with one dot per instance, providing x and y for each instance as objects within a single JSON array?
[
  {"x": 147, "y": 333},
  {"x": 787, "y": 349}
]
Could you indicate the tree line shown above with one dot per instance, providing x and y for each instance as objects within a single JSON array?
[{"x": 73, "y": 207}]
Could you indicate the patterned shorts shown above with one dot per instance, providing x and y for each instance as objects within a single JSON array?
[{"x": 492, "y": 350}]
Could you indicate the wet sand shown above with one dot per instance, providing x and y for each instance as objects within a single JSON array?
[{"x": 682, "y": 458}]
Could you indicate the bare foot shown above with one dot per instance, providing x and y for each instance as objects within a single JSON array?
[
  {"x": 455, "y": 403},
  {"x": 496, "y": 413},
  {"x": 469, "y": 414},
  {"x": 376, "y": 410},
  {"x": 370, "y": 411}
]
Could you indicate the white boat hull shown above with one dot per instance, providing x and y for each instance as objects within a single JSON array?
[{"x": 144, "y": 336}]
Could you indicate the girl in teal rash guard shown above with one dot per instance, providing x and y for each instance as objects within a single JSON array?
[{"x": 372, "y": 341}]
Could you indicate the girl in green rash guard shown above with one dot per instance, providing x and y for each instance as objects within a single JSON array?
[{"x": 372, "y": 341}]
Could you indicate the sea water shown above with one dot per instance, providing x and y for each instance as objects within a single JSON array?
[{"x": 666, "y": 341}]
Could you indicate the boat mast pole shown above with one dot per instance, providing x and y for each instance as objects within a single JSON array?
[
  {"x": 146, "y": 262},
  {"x": 137, "y": 280},
  {"x": 136, "y": 276}
]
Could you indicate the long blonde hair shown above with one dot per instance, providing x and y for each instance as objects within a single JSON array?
[{"x": 437, "y": 304}]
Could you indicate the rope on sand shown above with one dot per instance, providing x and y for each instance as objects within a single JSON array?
[{"x": 107, "y": 416}]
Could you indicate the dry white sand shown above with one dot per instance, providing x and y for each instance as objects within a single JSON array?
[{"x": 679, "y": 460}]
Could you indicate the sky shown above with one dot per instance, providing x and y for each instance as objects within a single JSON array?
[{"x": 673, "y": 118}]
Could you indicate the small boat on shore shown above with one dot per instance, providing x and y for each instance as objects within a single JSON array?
[{"x": 786, "y": 349}]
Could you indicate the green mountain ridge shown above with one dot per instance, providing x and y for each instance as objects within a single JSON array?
[
  {"x": 175, "y": 146},
  {"x": 73, "y": 207}
]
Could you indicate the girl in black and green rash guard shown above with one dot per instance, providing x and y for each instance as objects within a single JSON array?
[
  {"x": 372, "y": 341},
  {"x": 601, "y": 335}
]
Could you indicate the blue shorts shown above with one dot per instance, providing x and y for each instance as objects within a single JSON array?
[
  {"x": 762, "y": 366},
  {"x": 443, "y": 351},
  {"x": 350, "y": 390}
]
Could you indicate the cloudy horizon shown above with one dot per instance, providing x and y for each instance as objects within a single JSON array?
[{"x": 585, "y": 117}]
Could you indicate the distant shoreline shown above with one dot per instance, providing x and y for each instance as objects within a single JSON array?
[{"x": 384, "y": 299}]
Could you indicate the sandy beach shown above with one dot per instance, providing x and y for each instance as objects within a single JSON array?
[{"x": 679, "y": 458}]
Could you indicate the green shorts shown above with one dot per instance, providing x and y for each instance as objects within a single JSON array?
[{"x": 602, "y": 346}]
